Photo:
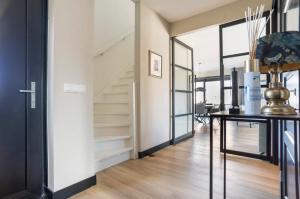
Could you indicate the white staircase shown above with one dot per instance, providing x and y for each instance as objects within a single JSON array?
[{"x": 114, "y": 121}]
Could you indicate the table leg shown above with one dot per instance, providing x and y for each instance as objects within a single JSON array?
[
  {"x": 211, "y": 157},
  {"x": 269, "y": 140},
  {"x": 275, "y": 141},
  {"x": 224, "y": 188},
  {"x": 281, "y": 157}
]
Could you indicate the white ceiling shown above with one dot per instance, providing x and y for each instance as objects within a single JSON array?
[
  {"x": 175, "y": 10},
  {"x": 205, "y": 43}
]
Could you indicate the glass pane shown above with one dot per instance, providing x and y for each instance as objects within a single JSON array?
[
  {"x": 289, "y": 125},
  {"x": 292, "y": 79},
  {"x": 181, "y": 126},
  {"x": 213, "y": 92},
  {"x": 246, "y": 137},
  {"x": 292, "y": 19},
  {"x": 183, "y": 56},
  {"x": 182, "y": 79},
  {"x": 190, "y": 123},
  {"x": 228, "y": 98},
  {"x": 234, "y": 62},
  {"x": 181, "y": 103},
  {"x": 238, "y": 34},
  {"x": 263, "y": 79},
  {"x": 199, "y": 97},
  {"x": 199, "y": 84},
  {"x": 227, "y": 83}
]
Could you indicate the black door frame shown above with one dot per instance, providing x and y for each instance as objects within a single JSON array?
[{"x": 175, "y": 140}]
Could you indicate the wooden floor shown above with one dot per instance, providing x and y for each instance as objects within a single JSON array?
[{"x": 182, "y": 172}]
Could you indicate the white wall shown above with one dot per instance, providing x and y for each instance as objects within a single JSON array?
[
  {"x": 110, "y": 65},
  {"x": 113, "y": 18},
  {"x": 70, "y": 132},
  {"x": 114, "y": 35},
  {"x": 154, "y": 93}
]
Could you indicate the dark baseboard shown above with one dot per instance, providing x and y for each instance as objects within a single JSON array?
[
  {"x": 153, "y": 149},
  {"x": 73, "y": 189},
  {"x": 183, "y": 137}
]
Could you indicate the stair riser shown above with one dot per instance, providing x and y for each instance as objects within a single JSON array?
[
  {"x": 112, "y": 145},
  {"x": 103, "y": 131},
  {"x": 120, "y": 88},
  {"x": 111, "y": 108},
  {"x": 103, "y": 164},
  {"x": 131, "y": 77},
  {"x": 130, "y": 73},
  {"x": 116, "y": 98},
  {"x": 111, "y": 118},
  {"x": 125, "y": 81}
]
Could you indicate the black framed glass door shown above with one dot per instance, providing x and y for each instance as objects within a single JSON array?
[{"x": 182, "y": 91}]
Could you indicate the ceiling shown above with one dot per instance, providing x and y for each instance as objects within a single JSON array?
[
  {"x": 205, "y": 43},
  {"x": 175, "y": 10}
]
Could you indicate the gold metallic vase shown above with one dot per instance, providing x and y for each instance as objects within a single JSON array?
[{"x": 276, "y": 96}]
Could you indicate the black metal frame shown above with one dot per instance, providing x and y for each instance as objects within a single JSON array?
[
  {"x": 277, "y": 139},
  {"x": 222, "y": 56},
  {"x": 175, "y": 140},
  {"x": 241, "y": 153}
]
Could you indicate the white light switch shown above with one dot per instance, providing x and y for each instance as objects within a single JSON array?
[{"x": 74, "y": 88}]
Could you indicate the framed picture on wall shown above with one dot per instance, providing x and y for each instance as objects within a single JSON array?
[{"x": 155, "y": 64}]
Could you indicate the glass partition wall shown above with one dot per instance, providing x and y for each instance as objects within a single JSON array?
[
  {"x": 246, "y": 137},
  {"x": 233, "y": 55},
  {"x": 182, "y": 91}
]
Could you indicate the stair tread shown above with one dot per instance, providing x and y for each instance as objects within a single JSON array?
[
  {"x": 116, "y": 93},
  {"x": 127, "y": 77},
  {"x": 111, "y": 113},
  {"x": 111, "y": 137},
  {"x": 110, "y": 103},
  {"x": 121, "y": 124},
  {"x": 101, "y": 155},
  {"x": 119, "y": 85}
]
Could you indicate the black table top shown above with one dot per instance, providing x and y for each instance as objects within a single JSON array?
[{"x": 258, "y": 116}]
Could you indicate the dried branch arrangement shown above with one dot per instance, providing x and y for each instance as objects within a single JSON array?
[{"x": 255, "y": 27}]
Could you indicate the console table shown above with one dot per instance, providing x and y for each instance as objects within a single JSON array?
[{"x": 280, "y": 143}]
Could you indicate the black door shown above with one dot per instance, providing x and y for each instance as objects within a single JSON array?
[
  {"x": 182, "y": 91},
  {"x": 22, "y": 69}
]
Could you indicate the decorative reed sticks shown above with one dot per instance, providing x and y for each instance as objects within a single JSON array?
[{"x": 255, "y": 27}]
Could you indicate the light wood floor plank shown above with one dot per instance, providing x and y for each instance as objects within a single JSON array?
[{"x": 182, "y": 172}]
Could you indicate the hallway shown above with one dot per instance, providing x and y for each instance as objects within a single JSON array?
[{"x": 181, "y": 171}]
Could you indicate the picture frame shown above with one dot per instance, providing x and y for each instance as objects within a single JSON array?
[{"x": 155, "y": 64}]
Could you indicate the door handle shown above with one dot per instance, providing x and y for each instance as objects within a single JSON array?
[
  {"x": 26, "y": 91},
  {"x": 32, "y": 92}
]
